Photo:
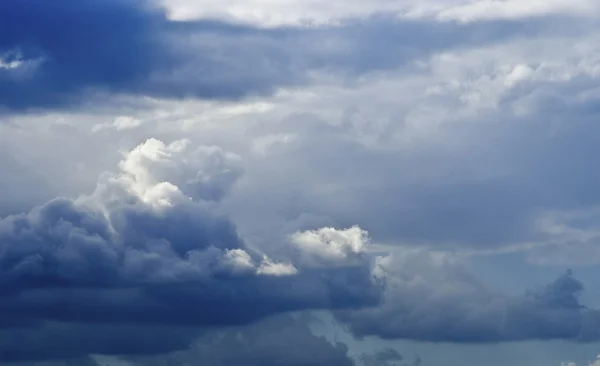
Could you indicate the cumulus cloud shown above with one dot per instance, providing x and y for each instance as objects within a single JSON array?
[
  {"x": 430, "y": 297},
  {"x": 144, "y": 240},
  {"x": 145, "y": 250},
  {"x": 201, "y": 173},
  {"x": 329, "y": 246}
]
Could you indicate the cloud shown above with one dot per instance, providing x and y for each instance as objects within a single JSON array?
[
  {"x": 66, "y": 48},
  {"x": 467, "y": 151},
  {"x": 279, "y": 340},
  {"x": 429, "y": 297},
  {"x": 571, "y": 238},
  {"x": 469, "y": 11},
  {"x": 310, "y": 12},
  {"x": 202, "y": 173},
  {"x": 143, "y": 250},
  {"x": 63, "y": 342},
  {"x": 459, "y": 126},
  {"x": 282, "y": 340},
  {"x": 384, "y": 357},
  {"x": 84, "y": 361},
  {"x": 593, "y": 363},
  {"x": 64, "y": 55},
  {"x": 120, "y": 123},
  {"x": 329, "y": 246}
]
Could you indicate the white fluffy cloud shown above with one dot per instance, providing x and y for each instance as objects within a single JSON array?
[
  {"x": 329, "y": 246},
  {"x": 205, "y": 173}
]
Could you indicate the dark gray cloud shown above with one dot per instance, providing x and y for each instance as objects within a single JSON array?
[
  {"x": 279, "y": 340},
  {"x": 282, "y": 340},
  {"x": 83, "y": 361},
  {"x": 384, "y": 357},
  {"x": 140, "y": 251},
  {"x": 73, "y": 342},
  {"x": 436, "y": 301},
  {"x": 72, "y": 52},
  {"x": 69, "y": 263},
  {"x": 70, "y": 46}
]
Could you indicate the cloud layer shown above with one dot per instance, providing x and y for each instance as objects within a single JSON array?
[
  {"x": 65, "y": 55},
  {"x": 149, "y": 248},
  {"x": 309, "y": 12}
]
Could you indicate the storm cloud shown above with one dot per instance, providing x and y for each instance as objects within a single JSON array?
[
  {"x": 71, "y": 53},
  {"x": 140, "y": 251}
]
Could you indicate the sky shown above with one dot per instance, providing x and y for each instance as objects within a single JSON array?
[{"x": 299, "y": 182}]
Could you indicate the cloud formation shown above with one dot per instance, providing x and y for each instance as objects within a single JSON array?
[
  {"x": 385, "y": 357},
  {"x": 72, "y": 343},
  {"x": 142, "y": 250},
  {"x": 429, "y": 297},
  {"x": 77, "y": 51},
  {"x": 282, "y": 340},
  {"x": 329, "y": 247},
  {"x": 65, "y": 55},
  {"x": 149, "y": 247},
  {"x": 389, "y": 161},
  {"x": 470, "y": 151},
  {"x": 310, "y": 12}
]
